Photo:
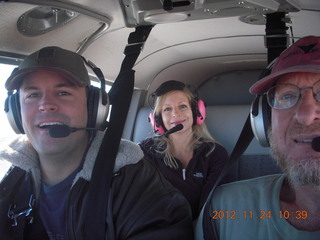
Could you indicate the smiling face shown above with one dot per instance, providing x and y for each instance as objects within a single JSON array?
[
  {"x": 176, "y": 109},
  {"x": 294, "y": 128},
  {"x": 48, "y": 98}
]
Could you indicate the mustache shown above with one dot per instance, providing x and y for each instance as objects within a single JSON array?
[{"x": 298, "y": 128}]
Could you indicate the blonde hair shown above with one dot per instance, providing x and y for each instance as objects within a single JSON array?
[{"x": 200, "y": 132}]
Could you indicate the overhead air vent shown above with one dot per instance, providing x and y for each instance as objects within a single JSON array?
[
  {"x": 41, "y": 20},
  {"x": 258, "y": 19}
]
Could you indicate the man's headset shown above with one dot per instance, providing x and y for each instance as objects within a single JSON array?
[
  {"x": 97, "y": 103},
  {"x": 197, "y": 106},
  {"x": 260, "y": 113}
]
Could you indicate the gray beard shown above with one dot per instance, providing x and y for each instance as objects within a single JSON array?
[{"x": 305, "y": 172}]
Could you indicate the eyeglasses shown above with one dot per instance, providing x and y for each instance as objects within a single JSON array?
[{"x": 284, "y": 96}]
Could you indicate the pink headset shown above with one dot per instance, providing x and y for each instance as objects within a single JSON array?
[{"x": 199, "y": 111}]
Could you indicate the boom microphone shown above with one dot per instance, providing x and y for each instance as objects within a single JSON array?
[
  {"x": 315, "y": 144},
  {"x": 61, "y": 131},
  {"x": 173, "y": 130}
]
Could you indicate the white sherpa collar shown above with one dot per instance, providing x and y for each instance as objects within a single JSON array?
[{"x": 21, "y": 153}]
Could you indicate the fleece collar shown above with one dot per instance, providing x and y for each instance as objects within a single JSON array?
[{"x": 21, "y": 153}]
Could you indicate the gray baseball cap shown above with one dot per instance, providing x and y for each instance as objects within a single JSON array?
[{"x": 53, "y": 59}]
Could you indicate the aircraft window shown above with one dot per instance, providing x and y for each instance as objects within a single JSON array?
[{"x": 6, "y": 131}]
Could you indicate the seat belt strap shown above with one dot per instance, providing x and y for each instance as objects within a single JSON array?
[
  {"x": 243, "y": 142},
  {"x": 120, "y": 97}
]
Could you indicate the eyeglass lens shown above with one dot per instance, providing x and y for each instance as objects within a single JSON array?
[{"x": 284, "y": 96}]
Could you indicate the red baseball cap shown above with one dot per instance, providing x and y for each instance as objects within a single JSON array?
[{"x": 302, "y": 56}]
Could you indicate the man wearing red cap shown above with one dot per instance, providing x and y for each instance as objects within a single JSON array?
[{"x": 281, "y": 206}]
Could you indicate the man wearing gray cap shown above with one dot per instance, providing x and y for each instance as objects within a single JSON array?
[
  {"x": 44, "y": 196},
  {"x": 281, "y": 206}
]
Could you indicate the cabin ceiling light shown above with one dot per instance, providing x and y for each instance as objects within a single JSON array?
[
  {"x": 41, "y": 20},
  {"x": 166, "y": 17}
]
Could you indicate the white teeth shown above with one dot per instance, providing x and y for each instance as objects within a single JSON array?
[
  {"x": 50, "y": 124},
  {"x": 303, "y": 141}
]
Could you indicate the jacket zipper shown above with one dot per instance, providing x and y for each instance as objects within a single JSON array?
[{"x": 184, "y": 174}]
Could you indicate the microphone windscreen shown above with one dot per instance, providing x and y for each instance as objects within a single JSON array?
[
  {"x": 173, "y": 130},
  {"x": 59, "y": 131},
  {"x": 178, "y": 127},
  {"x": 315, "y": 144}
]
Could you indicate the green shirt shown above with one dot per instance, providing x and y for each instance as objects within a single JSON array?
[{"x": 250, "y": 209}]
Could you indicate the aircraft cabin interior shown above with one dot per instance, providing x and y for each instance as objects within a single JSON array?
[{"x": 221, "y": 47}]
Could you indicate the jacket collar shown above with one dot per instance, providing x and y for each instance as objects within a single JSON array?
[{"x": 21, "y": 153}]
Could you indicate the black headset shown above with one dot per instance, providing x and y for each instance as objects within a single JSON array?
[
  {"x": 97, "y": 103},
  {"x": 260, "y": 113}
]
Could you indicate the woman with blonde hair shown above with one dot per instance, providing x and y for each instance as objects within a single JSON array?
[{"x": 189, "y": 158}]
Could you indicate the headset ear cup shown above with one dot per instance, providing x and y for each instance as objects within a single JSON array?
[
  {"x": 201, "y": 112},
  {"x": 13, "y": 112},
  {"x": 156, "y": 124},
  {"x": 260, "y": 116},
  {"x": 98, "y": 108}
]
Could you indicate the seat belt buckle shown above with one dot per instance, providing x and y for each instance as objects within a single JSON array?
[{"x": 14, "y": 212}]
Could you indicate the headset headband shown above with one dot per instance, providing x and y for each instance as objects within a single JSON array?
[{"x": 168, "y": 86}]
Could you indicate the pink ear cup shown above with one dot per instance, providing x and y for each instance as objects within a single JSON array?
[
  {"x": 202, "y": 112},
  {"x": 156, "y": 126}
]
